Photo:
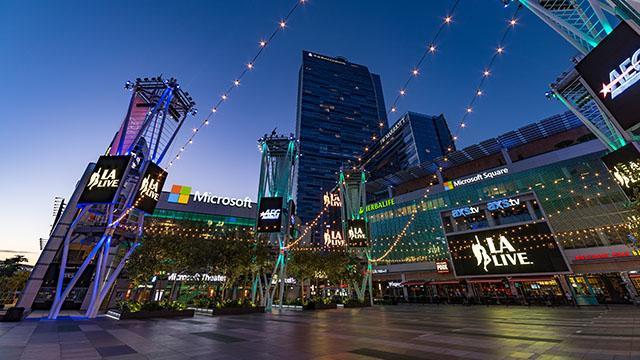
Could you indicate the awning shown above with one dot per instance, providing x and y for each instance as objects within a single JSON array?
[
  {"x": 532, "y": 279},
  {"x": 444, "y": 282},
  {"x": 483, "y": 281},
  {"x": 412, "y": 283}
]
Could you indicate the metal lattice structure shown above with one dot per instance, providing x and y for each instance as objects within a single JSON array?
[
  {"x": 353, "y": 195},
  {"x": 107, "y": 234},
  {"x": 583, "y": 23},
  {"x": 277, "y": 170}
]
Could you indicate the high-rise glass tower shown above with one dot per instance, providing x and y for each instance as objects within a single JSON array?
[
  {"x": 413, "y": 140},
  {"x": 340, "y": 109}
]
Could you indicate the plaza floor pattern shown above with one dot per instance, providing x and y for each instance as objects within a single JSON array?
[{"x": 404, "y": 332}]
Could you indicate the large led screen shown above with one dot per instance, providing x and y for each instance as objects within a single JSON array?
[
  {"x": 624, "y": 166},
  {"x": 270, "y": 215},
  {"x": 105, "y": 180},
  {"x": 612, "y": 71},
  {"x": 520, "y": 249},
  {"x": 150, "y": 188}
]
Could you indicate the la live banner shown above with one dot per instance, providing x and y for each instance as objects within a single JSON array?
[
  {"x": 612, "y": 72},
  {"x": 521, "y": 249}
]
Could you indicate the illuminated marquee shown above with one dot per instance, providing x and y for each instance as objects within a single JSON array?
[
  {"x": 624, "y": 166},
  {"x": 104, "y": 182},
  {"x": 612, "y": 72},
  {"x": 151, "y": 185},
  {"x": 486, "y": 175}
]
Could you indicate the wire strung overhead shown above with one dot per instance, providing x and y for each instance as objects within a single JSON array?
[
  {"x": 430, "y": 49},
  {"x": 499, "y": 51},
  {"x": 262, "y": 44}
]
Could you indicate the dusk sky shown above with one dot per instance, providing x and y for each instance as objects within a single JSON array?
[{"x": 64, "y": 65}]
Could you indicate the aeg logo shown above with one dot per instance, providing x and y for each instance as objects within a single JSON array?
[
  {"x": 270, "y": 214},
  {"x": 620, "y": 81}
]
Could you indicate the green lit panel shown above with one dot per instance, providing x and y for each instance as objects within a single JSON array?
[
  {"x": 577, "y": 195},
  {"x": 184, "y": 215}
]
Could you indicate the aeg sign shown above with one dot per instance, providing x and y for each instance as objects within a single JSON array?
[
  {"x": 270, "y": 215},
  {"x": 612, "y": 71},
  {"x": 104, "y": 182}
]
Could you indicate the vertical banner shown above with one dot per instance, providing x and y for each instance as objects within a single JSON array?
[
  {"x": 105, "y": 180},
  {"x": 357, "y": 235},
  {"x": 150, "y": 188},
  {"x": 270, "y": 215},
  {"x": 332, "y": 230},
  {"x": 624, "y": 165}
]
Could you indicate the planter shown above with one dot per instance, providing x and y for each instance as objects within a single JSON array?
[
  {"x": 116, "y": 314},
  {"x": 315, "y": 306}
]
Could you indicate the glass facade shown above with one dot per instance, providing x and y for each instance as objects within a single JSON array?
[
  {"x": 340, "y": 109},
  {"x": 583, "y": 205},
  {"x": 413, "y": 140}
]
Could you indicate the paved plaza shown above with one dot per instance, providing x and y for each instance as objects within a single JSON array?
[{"x": 403, "y": 332}]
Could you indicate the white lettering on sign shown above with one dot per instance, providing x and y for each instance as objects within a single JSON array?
[
  {"x": 221, "y": 200},
  {"x": 502, "y": 204},
  {"x": 107, "y": 178},
  {"x": 357, "y": 233},
  {"x": 504, "y": 255},
  {"x": 196, "y": 277},
  {"x": 479, "y": 177},
  {"x": 270, "y": 214},
  {"x": 620, "y": 81},
  {"x": 150, "y": 187},
  {"x": 465, "y": 211},
  {"x": 331, "y": 199},
  {"x": 333, "y": 238}
]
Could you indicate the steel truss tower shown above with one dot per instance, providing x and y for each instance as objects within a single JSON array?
[
  {"x": 277, "y": 169},
  {"x": 353, "y": 195},
  {"x": 584, "y": 23},
  {"x": 111, "y": 231}
]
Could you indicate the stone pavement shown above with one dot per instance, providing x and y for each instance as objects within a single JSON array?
[{"x": 404, "y": 332}]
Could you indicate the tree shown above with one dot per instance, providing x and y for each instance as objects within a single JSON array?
[
  {"x": 13, "y": 277},
  {"x": 10, "y": 266}
]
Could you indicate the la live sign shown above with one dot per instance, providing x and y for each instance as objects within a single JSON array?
[{"x": 612, "y": 72}]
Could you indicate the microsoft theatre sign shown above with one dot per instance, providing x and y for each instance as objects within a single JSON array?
[
  {"x": 180, "y": 195},
  {"x": 486, "y": 175}
]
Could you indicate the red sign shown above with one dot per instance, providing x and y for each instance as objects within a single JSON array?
[
  {"x": 442, "y": 267},
  {"x": 603, "y": 255}
]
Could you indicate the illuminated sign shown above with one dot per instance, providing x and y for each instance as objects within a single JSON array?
[
  {"x": 518, "y": 249},
  {"x": 197, "y": 277},
  {"x": 150, "y": 187},
  {"x": 105, "y": 179},
  {"x": 333, "y": 237},
  {"x": 442, "y": 267},
  {"x": 624, "y": 166},
  {"x": 614, "y": 254},
  {"x": 450, "y": 185},
  {"x": 612, "y": 71},
  {"x": 393, "y": 130},
  {"x": 465, "y": 211},
  {"x": 331, "y": 199},
  {"x": 379, "y": 205},
  {"x": 326, "y": 58},
  {"x": 357, "y": 233},
  {"x": 502, "y": 204},
  {"x": 180, "y": 195},
  {"x": 270, "y": 214}
]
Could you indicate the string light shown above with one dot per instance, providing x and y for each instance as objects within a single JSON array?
[{"x": 249, "y": 66}]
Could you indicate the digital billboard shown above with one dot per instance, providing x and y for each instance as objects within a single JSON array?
[
  {"x": 151, "y": 185},
  {"x": 332, "y": 235},
  {"x": 105, "y": 179},
  {"x": 612, "y": 71},
  {"x": 357, "y": 233},
  {"x": 519, "y": 249},
  {"x": 624, "y": 166},
  {"x": 270, "y": 215}
]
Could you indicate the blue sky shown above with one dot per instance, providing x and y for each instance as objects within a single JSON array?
[{"x": 64, "y": 65}]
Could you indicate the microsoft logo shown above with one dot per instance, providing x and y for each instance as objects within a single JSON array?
[
  {"x": 448, "y": 185},
  {"x": 179, "y": 194}
]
